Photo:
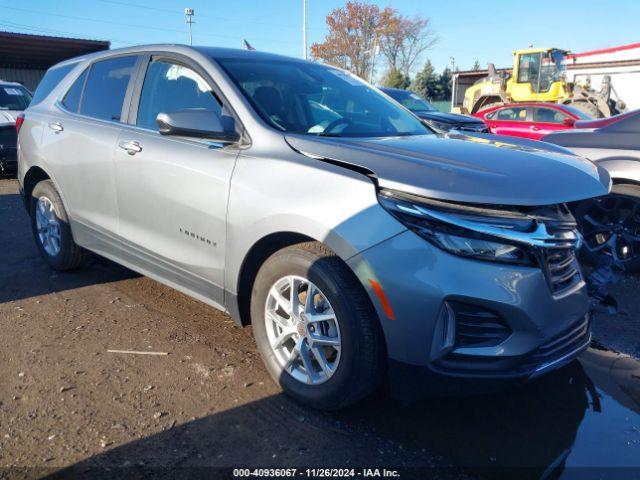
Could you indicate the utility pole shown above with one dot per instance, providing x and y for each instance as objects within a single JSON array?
[
  {"x": 374, "y": 52},
  {"x": 304, "y": 29},
  {"x": 189, "y": 14},
  {"x": 453, "y": 82}
]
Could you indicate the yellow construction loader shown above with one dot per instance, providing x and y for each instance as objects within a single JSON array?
[{"x": 539, "y": 76}]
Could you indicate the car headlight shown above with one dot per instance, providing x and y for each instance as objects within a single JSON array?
[{"x": 463, "y": 232}]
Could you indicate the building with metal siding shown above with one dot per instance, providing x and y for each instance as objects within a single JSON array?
[{"x": 25, "y": 58}]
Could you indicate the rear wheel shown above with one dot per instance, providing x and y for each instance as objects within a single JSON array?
[
  {"x": 51, "y": 230},
  {"x": 610, "y": 226},
  {"x": 315, "y": 327}
]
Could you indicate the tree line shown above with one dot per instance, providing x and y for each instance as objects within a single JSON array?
[{"x": 360, "y": 31}]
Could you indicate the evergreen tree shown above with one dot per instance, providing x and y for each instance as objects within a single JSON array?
[
  {"x": 426, "y": 82},
  {"x": 444, "y": 85},
  {"x": 394, "y": 78}
]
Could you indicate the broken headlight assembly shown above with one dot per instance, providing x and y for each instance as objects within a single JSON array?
[{"x": 489, "y": 234}]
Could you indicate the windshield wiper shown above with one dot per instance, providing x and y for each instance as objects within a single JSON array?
[
  {"x": 327, "y": 134},
  {"x": 404, "y": 134}
]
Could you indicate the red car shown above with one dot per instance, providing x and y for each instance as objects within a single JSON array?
[{"x": 530, "y": 120}]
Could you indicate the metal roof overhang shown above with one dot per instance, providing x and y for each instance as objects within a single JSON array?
[{"x": 19, "y": 50}]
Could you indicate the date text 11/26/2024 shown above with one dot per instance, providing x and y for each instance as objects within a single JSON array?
[{"x": 315, "y": 473}]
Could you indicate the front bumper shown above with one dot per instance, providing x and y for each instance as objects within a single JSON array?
[
  {"x": 412, "y": 382},
  {"x": 540, "y": 330}
]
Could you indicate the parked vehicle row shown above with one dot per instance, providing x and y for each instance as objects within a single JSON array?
[
  {"x": 299, "y": 199},
  {"x": 440, "y": 121},
  {"x": 14, "y": 98}
]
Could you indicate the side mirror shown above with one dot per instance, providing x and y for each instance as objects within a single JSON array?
[
  {"x": 568, "y": 122},
  {"x": 198, "y": 123}
]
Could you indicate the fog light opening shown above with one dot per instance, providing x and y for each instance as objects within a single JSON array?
[{"x": 445, "y": 334}]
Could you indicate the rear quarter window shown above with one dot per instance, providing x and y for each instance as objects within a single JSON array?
[
  {"x": 71, "y": 100},
  {"x": 50, "y": 81}
]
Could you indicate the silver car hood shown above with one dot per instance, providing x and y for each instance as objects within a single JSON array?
[{"x": 465, "y": 168}]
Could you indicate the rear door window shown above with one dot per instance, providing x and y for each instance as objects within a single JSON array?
[
  {"x": 548, "y": 115},
  {"x": 106, "y": 88}
]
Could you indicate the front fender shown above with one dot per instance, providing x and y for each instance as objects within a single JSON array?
[{"x": 306, "y": 196}]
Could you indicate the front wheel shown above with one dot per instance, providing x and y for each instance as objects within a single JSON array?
[
  {"x": 315, "y": 327},
  {"x": 610, "y": 226}
]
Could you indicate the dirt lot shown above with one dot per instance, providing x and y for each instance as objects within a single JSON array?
[{"x": 69, "y": 406}]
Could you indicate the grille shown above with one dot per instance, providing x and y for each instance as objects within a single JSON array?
[
  {"x": 562, "y": 269},
  {"x": 477, "y": 327}
]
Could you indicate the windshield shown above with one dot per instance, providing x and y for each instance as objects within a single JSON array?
[
  {"x": 313, "y": 99},
  {"x": 14, "y": 97},
  {"x": 410, "y": 100}
]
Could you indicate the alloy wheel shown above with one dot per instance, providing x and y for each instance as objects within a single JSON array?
[
  {"x": 48, "y": 226},
  {"x": 302, "y": 330}
]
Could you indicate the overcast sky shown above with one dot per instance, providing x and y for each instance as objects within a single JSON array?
[{"x": 467, "y": 30}]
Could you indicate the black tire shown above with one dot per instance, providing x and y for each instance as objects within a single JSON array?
[
  {"x": 70, "y": 256},
  {"x": 362, "y": 362},
  {"x": 487, "y": 106},
  {"x": 588, "y": 108},
  {"x": 582, "y": 209}
]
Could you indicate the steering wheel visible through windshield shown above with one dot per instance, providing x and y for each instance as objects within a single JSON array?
[{"x": 301, "y": 97}]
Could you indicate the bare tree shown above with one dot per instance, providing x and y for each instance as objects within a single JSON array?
[{"x": 404, "y": 40}]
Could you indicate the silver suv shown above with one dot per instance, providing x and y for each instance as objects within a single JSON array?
[{"x": 304, "y": 202}]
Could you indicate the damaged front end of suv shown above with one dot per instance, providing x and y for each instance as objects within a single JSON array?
[
  {"x": 528, "y": 314},
  {"x": 484, "y": 285}
]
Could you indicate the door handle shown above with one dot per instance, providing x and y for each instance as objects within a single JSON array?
[
  {"x": 535, "y": 129},
  {"x": 56, "y": 127},
  {"x": 131, "y": 147}
]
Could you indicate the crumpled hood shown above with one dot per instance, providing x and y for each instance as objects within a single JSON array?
[{"x": 464, "y": 168}]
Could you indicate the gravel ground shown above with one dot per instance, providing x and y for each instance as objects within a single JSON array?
[{"x": 67, "y": 403}]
